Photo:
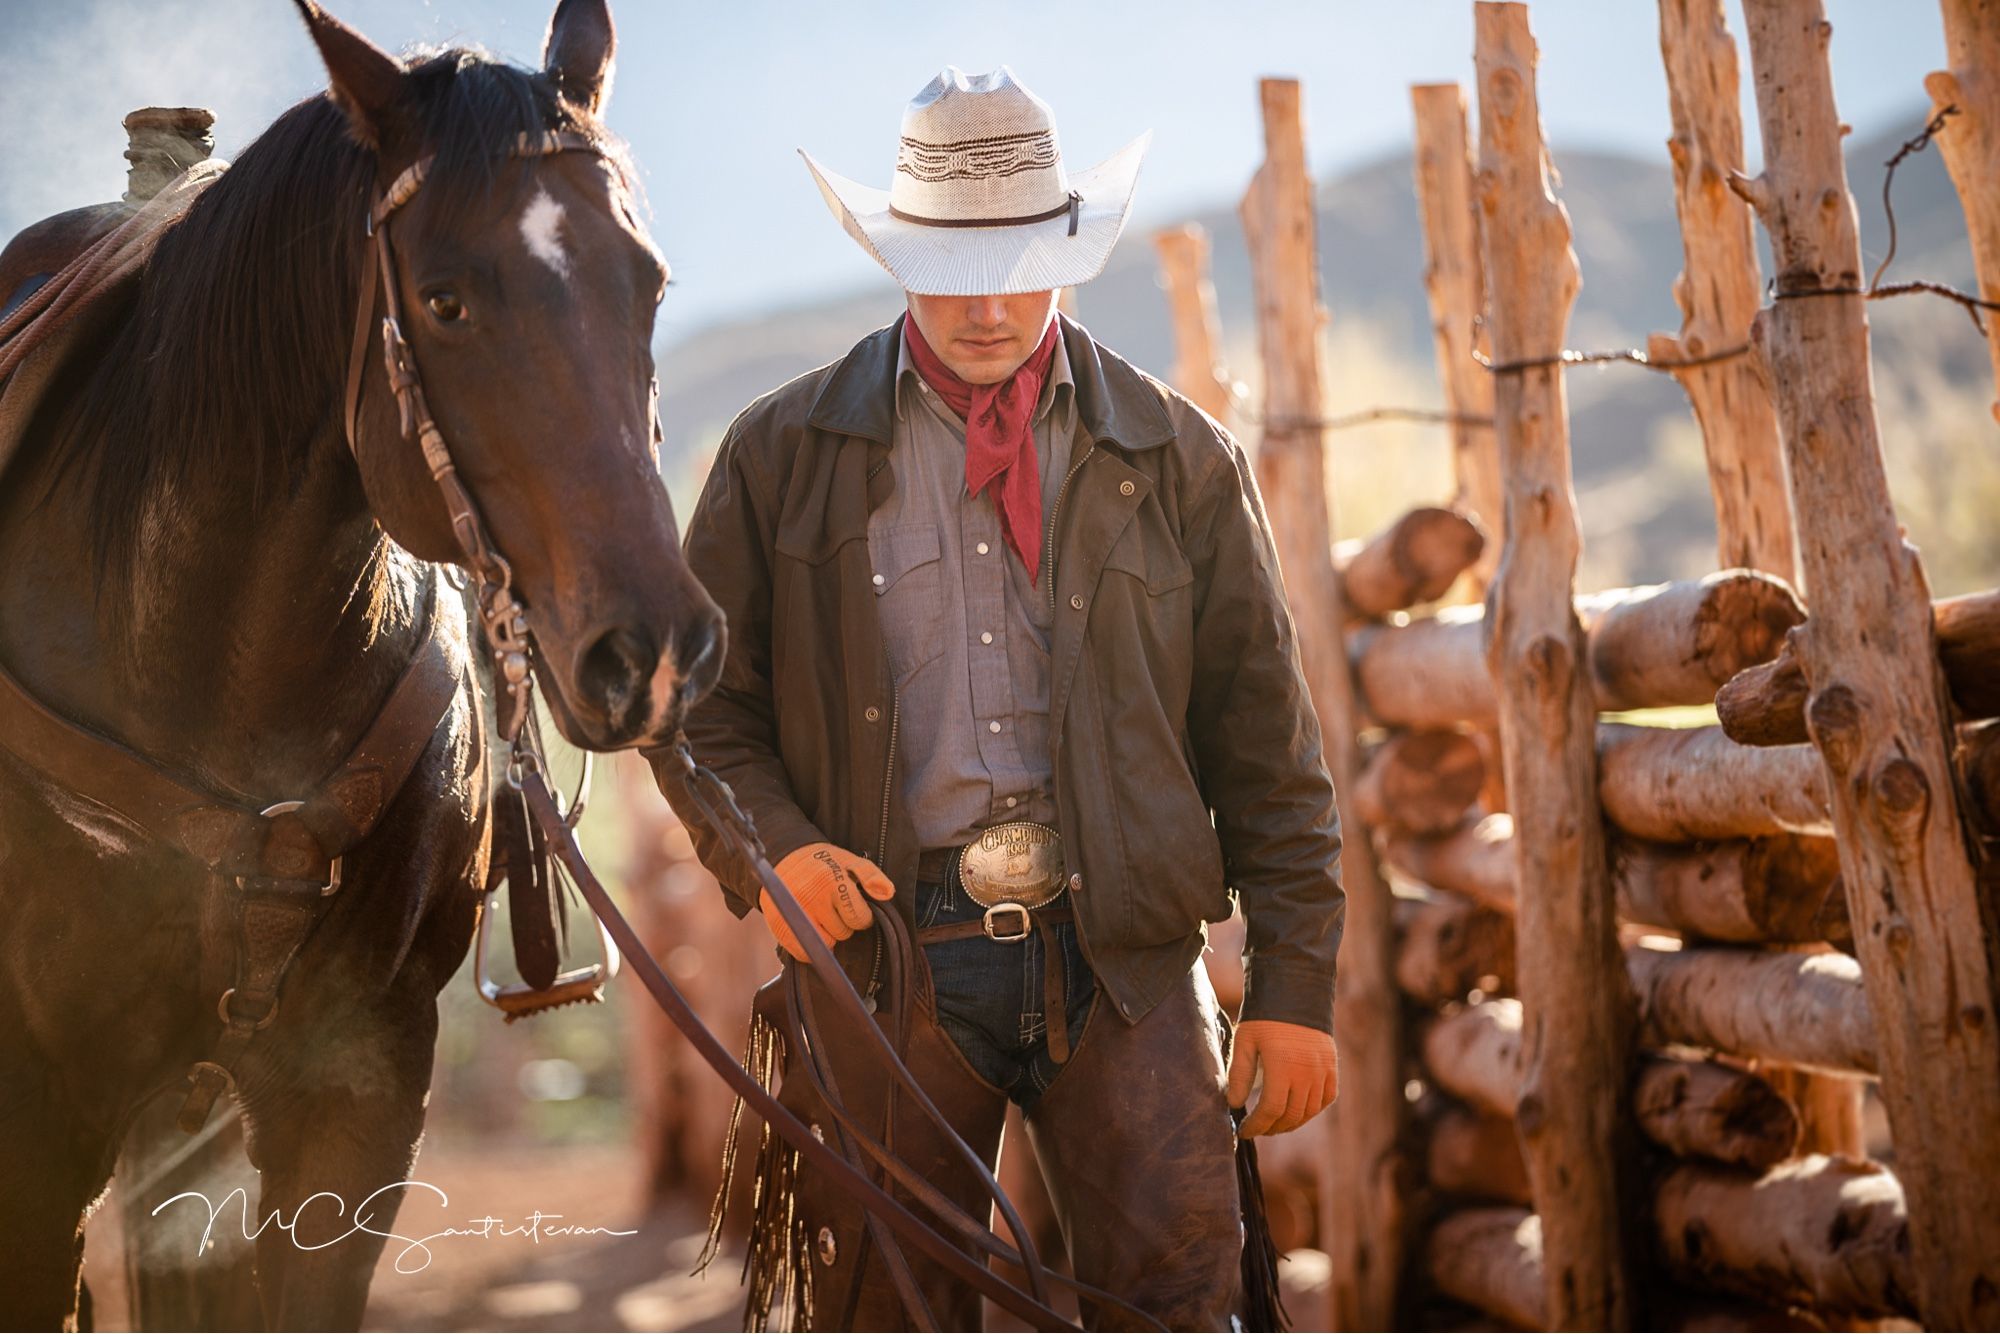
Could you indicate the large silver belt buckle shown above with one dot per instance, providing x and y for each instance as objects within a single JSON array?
[{"x": 1019, "y": 864}]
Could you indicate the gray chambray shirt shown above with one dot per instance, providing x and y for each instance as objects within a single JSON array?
[{"x": 968, "y": 635}]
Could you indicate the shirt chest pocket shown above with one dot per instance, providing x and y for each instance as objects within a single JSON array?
[{"x": 908, "y": 579}]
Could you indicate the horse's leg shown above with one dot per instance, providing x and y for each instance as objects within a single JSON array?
[
  {"x": 334, "y": 1113},
  {"x": 50, "y": 1170}
]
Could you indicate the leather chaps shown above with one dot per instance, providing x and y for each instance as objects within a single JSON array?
[{"x": 1134, "y": 1136}]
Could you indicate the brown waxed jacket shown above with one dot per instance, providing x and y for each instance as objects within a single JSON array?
[{"x": 1185, "y": 751}]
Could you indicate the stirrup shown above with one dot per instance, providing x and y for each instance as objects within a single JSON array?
[{"x": 518, "y": 1000}]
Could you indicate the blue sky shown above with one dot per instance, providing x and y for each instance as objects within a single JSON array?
[{"x": 716, "y": 98}]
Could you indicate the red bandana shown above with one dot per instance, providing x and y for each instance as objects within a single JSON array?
[{"x": 999, "y": 436}]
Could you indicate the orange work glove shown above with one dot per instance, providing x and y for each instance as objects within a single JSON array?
[
  {"x": 1300, "y": 1073},
  {"x": 833, "y": 885}
]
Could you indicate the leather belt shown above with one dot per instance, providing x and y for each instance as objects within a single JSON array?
[{"x": 1041, "y": 922}]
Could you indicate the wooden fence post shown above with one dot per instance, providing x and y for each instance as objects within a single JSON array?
[
  {"x": 1876, "y": 708},
  {"x": 1191, "y": 300},
  {"x": 1970, "y": 140},
  {"x": 1361, "y": 1214},
  {"x": 1456, "y": 286},
  {"x": 1575, "y": 1108},
  {"x": 1719, "y": 292}
]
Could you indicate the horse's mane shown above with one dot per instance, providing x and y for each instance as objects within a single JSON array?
[{"x": 235, "y": 353}]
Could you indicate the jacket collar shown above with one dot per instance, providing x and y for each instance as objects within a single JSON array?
[{"x": 1114, "y": 402}]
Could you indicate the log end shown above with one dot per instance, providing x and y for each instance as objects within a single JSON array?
[
  {"x": 1765, "y": 705},
  {"x": 1744, "y": 619}
]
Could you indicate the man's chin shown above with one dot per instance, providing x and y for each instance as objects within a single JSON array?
[{"x": 987, "y": 369}]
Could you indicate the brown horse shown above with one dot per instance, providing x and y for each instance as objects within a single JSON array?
[{"x": 194, "y": 564}]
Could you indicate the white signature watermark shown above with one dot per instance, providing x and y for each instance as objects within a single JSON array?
[{"x": 535, "y": 1227}]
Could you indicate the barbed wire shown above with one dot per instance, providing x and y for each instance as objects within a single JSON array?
[{"x": 1874, "y": 291}]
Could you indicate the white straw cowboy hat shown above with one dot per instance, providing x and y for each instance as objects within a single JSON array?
[{"x": 980, "y": 204}]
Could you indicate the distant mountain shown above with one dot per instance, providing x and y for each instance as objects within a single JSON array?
[{"x": 1370, "y": 245}]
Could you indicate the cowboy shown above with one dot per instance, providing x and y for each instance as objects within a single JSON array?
[{"x": 1009, "y": 656}]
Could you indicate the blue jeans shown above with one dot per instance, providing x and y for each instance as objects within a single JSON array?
[{"x": 989, "y": 993}]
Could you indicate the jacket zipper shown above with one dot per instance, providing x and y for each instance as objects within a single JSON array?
[
  {"x": 889, "y": 773},
  {"x": 1055, "y": 515}
]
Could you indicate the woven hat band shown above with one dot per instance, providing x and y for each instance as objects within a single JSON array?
[{"x": 1072, "y": 206}]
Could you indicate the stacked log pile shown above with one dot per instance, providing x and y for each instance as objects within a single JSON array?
[{"x": 1712, "y": 869}]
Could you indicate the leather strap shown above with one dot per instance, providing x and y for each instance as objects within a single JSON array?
[
  {"x": 275, "y": 913},
  {"x": 937, "y": 935},
  {"x": 775, "y": 1114},
  {"x": 295, "y": 841},
  {"x": 273, "y": 920},
  {"x": 1055, "y": 989}
]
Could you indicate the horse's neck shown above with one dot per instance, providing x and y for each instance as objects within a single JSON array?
[{"x": 251, "y": 646}]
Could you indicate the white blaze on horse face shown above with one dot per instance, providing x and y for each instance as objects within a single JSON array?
[
  {"x": 541, "y": 228},
  {"x": 662, "y": 689}
]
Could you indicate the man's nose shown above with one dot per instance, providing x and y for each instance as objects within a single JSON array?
[{"x": 986, "y": 311}]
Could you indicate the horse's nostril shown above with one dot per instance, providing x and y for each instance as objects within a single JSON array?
[
  {"x": 615, "y": 670},
  {"x": 699, "y": 659}
]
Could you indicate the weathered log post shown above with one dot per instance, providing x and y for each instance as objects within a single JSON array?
[
  {"x": 1705, "y": 1110},
  {"x": 1415, "y": 559},
  {"x": 1449, "y": 946},
  {"x": 1191, "y": 302},
  {"x": 1455, "y": 282},
  {"x": 1970, "y": 140},
  {"x": 1827, "y": 1233},
  {"x": 1475, "y": 860},
  {"x": 1491, "y": 1259},
  {"x": 1577, "y": 1044},
  {"x": 1765, "y": 705},
  {"x": 1876, "y": 708},
  {"x": 1719, "y": 292},
  {"x": 1804, "y": 1010},
  {"x": 1649, "y": 648},
  {"x": 1679, "y": 784},
  {"x": 1361, "y": 1215},
  {"x": 1468, "y": 1153},
  {"x": 1421, "y": 782}
]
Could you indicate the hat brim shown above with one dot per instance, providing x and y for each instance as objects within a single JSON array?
[{"x": 991, "y": 261}]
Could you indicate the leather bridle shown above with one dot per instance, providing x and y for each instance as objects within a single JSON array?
[{"x": 510, "y": 640}]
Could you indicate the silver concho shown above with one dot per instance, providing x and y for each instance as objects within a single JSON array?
[{"x": 1021, "y": 862}]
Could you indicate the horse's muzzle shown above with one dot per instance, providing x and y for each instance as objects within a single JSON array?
[{"x": 629, "y": 692}]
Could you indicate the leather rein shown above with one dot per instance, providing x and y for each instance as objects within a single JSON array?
[{"x": 510, "y": 641}]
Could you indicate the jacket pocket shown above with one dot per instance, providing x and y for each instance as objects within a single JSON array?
[{"x": 908, "y": 582}]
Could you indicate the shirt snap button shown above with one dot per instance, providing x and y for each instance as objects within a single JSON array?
[
  {"x": 878, "y": 581},
  {"x": 1075, "y": 881},
  {"x": 986, "y": 636},
  {"x": 1126, "y": 488},
  {"x": 872, "y": 714},
  {"x": 981, "y": 548},
  {"x": 1076, "y": 601},
  {"x": 993, "y": 727}
]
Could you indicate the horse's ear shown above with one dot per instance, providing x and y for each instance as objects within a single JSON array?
[
  {"x": 365, "y": 81},
  {"x": 578, "y": 52}
]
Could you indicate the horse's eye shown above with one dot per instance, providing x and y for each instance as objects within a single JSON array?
[{"x": 446, "y": 307}]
